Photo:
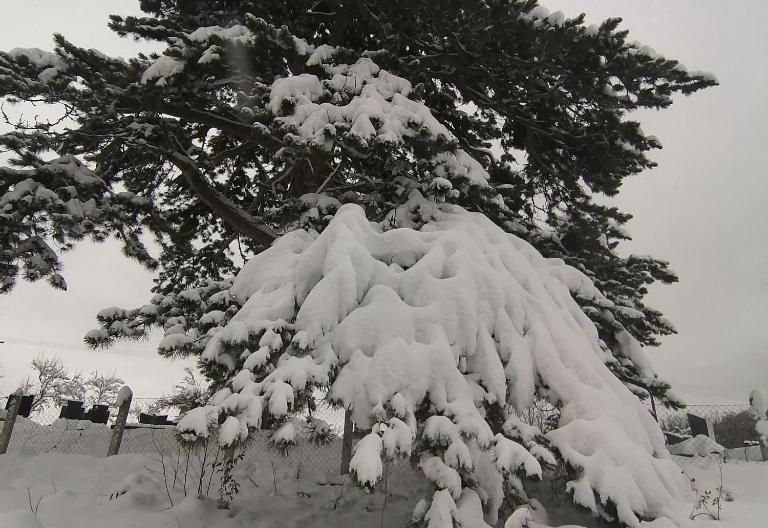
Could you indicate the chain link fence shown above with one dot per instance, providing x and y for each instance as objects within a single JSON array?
[
  {"x": 49, "y": 413},
  {"x": 44, "y": 432},
  {"x": 732, "y": 424},
  {"x": 45, "y": 414}
]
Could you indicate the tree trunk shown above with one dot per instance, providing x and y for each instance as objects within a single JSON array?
[{"x": 346, "y": 443}]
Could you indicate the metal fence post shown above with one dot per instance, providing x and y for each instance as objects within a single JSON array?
[
  {"x": 124, "y": 398},
  {"x": 10, "y": 421},
  {"x": 346, "y": 443}
]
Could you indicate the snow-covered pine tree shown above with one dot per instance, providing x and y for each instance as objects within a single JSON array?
[{"x": 385, "y": 148}]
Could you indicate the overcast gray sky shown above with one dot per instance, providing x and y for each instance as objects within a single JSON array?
[{"x": 703, "y": 208}]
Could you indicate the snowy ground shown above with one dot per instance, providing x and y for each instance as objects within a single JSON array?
[
  {"x": 746, "y": 483},
  {"x": 127, "y": 491}
]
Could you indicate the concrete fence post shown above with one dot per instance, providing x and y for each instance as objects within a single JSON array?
[
  {"x": 346, "y": 443},
  {"x": 10, "y": 421},
  {"x": 123, "y": 402}
]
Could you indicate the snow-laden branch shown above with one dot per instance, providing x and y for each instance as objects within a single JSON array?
[
  {"x": 450, "y": 320},
  {"x": 234, "y": 215}
]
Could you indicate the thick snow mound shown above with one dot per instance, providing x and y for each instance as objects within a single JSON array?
[
  {"x": 700, "y": 445},
  {"x": 19, "y": 519},
  {"x": 129, "y": 491},
  {"x": 450, "y": 319}
]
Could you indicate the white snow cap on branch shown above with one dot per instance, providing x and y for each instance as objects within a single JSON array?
[
  {"x": 452, "y": 318},
  {"x": 233, "y": 33},
  {"x": 164, "y": 66},
  {"x": 53, "y": 64},
  {"x": 373, "y": 105},
  {"x": 358, "y": 104}
]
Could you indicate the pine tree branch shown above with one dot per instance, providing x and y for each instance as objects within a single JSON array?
[
  {"x": 330, "y": 177},
  {"x": 238, "y": 129},
  {"x": 229, "y": 126},
  {"x": 235, "y": 216}
]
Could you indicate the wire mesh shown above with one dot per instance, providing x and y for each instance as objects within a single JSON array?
[
  {"x": 44, "y": 432},
  {"x": 732, "y": 424},
  {"x": 42, "y": 414}
]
